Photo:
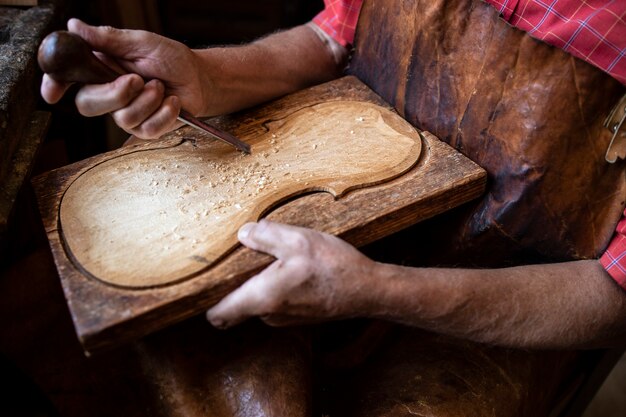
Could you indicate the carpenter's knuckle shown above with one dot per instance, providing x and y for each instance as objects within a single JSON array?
[
  {"x": 150, "y": 131},
  {"x": 305, "y": 265},
  {"x": 171, "y": 112},
  {"x": 84, "y": 107},
  {"x": 301, "y": 243},
  {"x": 143, "y": 35},
  {"x": 124, "y": 96},
  {"x": 82, "y": 110},
  {"x": 270, "y": 306},
  {"x": 280, "y": 264},
  {"x": 125, "y": 120},
  {"x": 154, "y": 88},
  {"x": 108, "y": 29},
  {"x": 262, "y": 227}
]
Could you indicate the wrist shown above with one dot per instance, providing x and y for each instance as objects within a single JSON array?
[
  {"x": 373, "y": 293},
  {"x": 230, "y": 81},
  {"x": 402, "y": 294},
  {"x": 206, "y": 68}
]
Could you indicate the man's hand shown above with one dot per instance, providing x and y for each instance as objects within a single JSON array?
[
  {"x": 148, "y": 109},
  {"x": 315, "y": 277},
  {"x": 205, "y": 82},
  {"x": 318, "y": 277}
]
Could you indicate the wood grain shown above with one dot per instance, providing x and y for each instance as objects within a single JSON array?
[
  {"x": 159, "y": 216},
  {"x": 106, "y": 315}
]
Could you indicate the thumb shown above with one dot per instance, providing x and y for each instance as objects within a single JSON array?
[
  {"x": 253, "y": 298},
  {"x": 276, "y": 239}
]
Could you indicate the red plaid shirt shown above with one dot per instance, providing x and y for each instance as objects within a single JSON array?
[
  {"x": 593, "y": 30},
  {"x": 614, "y": 259},
  {"x": 339, "y": 19}
]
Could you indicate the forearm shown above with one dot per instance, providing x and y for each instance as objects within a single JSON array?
[
  {"x": 242, "y": 76},
  {"x": 564, "y": 305}
]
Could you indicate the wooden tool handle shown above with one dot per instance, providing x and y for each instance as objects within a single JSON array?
[{"x": 66, "y": 57}]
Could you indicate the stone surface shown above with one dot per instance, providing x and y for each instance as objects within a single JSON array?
[
  {"x": 21, "y": 31},
  {"x": 21, "y": 128},
  {"x": 20, "y": 165}
]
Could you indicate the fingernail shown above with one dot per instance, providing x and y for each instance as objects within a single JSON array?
[
  {"x": 245, "y": 230},
  {"x": 136, "y": 84},
  {"x": 74, "y": 24},
  {"x": 158, "y": 85},
  {"x": 217, "y": 323},
  {"x": 73, "y": 21}
]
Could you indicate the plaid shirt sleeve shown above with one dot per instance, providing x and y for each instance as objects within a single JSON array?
[
  {"x": 339, "y": 19},
  {"x": 593, "y": 30},
  {"x": 614, "y": 259}
]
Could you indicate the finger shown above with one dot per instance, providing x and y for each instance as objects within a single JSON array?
[
  {"x": 161, "y": 121},
  {"x": 253, "y": 298},
  {"x": 98, "y": 99},
  {"x": 276, "y": 239},
  {"x": 142, "y": 106},
  {"x": 52, "y": 91},
  {"x": 112, "y": 41}
]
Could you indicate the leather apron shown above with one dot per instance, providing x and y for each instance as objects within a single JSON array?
[
  {"x": 532, "y": 116},
  {"x": 529, "y": 113}
]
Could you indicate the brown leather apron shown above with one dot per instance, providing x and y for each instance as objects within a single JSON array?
[{"x": 527, "y": 112}]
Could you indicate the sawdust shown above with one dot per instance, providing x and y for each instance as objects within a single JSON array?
[{"x": 194, "y": 200}]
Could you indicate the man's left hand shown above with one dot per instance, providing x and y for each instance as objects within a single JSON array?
[{"x": 315, "y": 277}]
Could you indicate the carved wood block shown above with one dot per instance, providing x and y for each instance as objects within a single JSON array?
[
  {"x": 145, "y": 236},
  {"x": 154, "y": 217}
]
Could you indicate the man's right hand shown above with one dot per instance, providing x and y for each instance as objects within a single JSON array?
[
  {"x": 205, "y": 82},
  {"x": 148, "y": 108}
]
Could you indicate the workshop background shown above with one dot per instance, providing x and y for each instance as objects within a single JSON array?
[{"x": 27, "y": 311}]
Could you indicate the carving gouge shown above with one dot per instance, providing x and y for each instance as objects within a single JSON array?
[{"x": 66, "y": 57}]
